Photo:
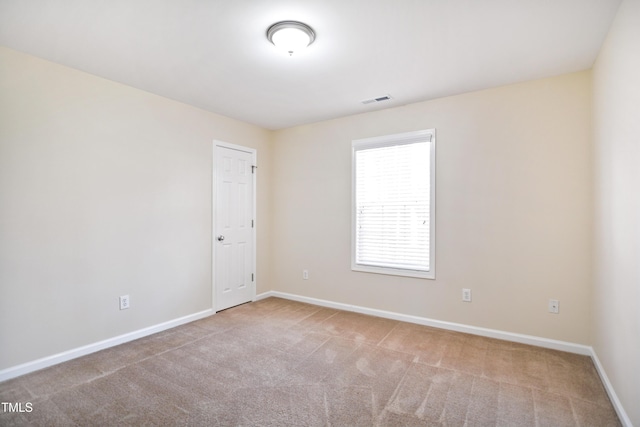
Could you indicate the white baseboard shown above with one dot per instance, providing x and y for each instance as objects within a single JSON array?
[
  {"x": 617, "y": 405},
  {"x": 45, "y": 362},
  {"x": 475, "y": 330},
  {"x": 25, "y": 368},
  {"x": 491, "y": 333}
]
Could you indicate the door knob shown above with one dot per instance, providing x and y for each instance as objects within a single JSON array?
[{"x": 220, "y": 238}]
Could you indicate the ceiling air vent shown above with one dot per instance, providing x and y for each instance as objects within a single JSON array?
[{"x": 377, "y": 99}]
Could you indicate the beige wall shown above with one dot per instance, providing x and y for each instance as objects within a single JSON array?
[
  {"x": 616, "y": 302},
  {"x": 105, "y": 190},
  {"x": 513, "y": 209}
]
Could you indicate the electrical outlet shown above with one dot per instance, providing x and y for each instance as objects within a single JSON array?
[
  {"x": 305, "y": 274},
  {"x": 466, "y": 295},
  {"x": 124, "y": 302},
  {"x": 554, "y": 306}
]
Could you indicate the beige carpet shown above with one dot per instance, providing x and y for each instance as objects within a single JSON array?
[{"x": 283, "y": 363}]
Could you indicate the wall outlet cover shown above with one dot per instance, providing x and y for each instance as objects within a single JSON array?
[{"x": 124, "y": 302}]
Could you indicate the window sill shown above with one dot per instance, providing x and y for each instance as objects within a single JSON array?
[{"x": 394, "y": 271}]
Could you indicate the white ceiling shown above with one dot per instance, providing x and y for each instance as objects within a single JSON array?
[{"x": 214, "y": 54}]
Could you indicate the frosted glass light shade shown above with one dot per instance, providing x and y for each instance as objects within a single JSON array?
[{"x": 290, "y": 36}]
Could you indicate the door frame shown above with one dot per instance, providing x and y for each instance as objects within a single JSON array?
[{"x": 214, "y": 186}]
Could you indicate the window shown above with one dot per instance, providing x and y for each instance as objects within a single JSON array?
[{"x": 393, "y": 193}]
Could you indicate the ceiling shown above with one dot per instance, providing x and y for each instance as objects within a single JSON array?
[{"x": 214, "y": 54}]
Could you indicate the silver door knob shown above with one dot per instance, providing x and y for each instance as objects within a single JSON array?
[{"x": 220, "y": 238}]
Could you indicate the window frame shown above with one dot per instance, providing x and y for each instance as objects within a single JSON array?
[{"x": 429, "y": 136}]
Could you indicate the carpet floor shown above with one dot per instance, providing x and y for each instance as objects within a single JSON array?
[{"x": 282, "y": 363}]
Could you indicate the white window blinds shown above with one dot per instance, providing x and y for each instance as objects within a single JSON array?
[{"x": 392, "y": 204}]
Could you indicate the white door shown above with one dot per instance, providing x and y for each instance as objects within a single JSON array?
[{"x": 233, "y": 226}]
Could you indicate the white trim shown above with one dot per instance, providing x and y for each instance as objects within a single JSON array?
[
  {"x": 617, "y": 405},
  {"x": 491, "y": 333},
  {"x": 395, "y": 139},
  {"x": 468, "y": 329},
  {"x": 426, "y": 135},
  {"x": 254, "y": 160},
  {"x": 45, "y": 362}
]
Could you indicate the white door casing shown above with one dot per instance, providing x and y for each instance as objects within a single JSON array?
[{"x": 233, "y": 225}]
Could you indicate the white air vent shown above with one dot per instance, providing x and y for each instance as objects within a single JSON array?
[{"x": 377, "y": 99}]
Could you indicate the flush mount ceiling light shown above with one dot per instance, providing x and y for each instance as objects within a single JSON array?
[{"x": 290, "y": 36}]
